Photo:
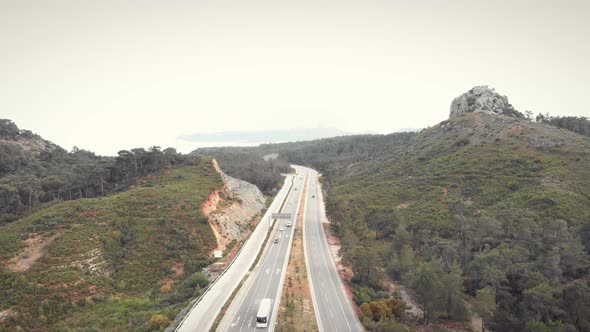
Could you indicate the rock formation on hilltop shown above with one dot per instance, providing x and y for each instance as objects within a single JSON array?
[
  {"x": 482, "y": 99},
  {"x": 20, "y": 140}
]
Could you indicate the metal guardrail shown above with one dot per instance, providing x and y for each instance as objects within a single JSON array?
[{"x": 198, "y": 299}]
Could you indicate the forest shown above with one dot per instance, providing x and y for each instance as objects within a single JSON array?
[
  {"x": 127, "y": 261},
  {"x": 577, "y": 124},
  {"x": 32, "y": 178},
  {"x": 249, "y": 165}
]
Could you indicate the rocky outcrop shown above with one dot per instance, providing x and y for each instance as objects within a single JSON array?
[
  {"x": 231, "y": 210},
  {"x": 482, "y": 99}
]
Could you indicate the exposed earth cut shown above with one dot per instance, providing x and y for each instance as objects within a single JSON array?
[{"x": 231, "y": 209}]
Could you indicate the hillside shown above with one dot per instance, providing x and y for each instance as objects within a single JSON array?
[
  {"x": 488, "y": 207},
  {"x": 248, "y": 164},
  {"x": 35, "y": 173},
  {"x": 128, "y": 261}
]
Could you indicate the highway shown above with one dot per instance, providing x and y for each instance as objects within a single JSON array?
[
  {"x": 332, "y": 308},
  {"x": 267, "y": 278},
  {"x": 202, "y": 315}
]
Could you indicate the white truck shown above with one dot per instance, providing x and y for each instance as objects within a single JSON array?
[{"x": 263, "y": 315}]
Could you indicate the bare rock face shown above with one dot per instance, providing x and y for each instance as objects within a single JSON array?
[{"x": 483, "y": 99}]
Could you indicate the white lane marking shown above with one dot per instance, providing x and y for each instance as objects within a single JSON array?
[
  {"x": 331, "y": 314},
  {"x": 267, "y": 252},
  {"x": 236, "y": 323},
  {"x": 278, "y": 270},
  {"x": 267, "y": 271},
  {"x": 306, "y": 249},
  {"x": 250, "y": 323},
  {"x": 329, "y": 264},
  {"x": 323, "y": 285},
  {"x": 325, "y": 259}
]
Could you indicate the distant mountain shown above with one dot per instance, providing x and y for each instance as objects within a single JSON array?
[
  {"x": 268, "y": 136},
  {"x": 406, "y": 130}
]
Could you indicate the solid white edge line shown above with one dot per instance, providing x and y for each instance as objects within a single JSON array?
[
  {"x": 284, "y": 271},
  {"x": 339, "y": 280},
  {"x": 243, "y": 291},
  {"x": 217, "y": 311},
  {"x": 308, "y": 267}
]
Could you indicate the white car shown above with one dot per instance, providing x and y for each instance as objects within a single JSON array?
[{"x": 281, "y": 229}]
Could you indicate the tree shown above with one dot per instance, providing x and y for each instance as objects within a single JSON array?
[
  {"x": 365, "y": 265},
  {"x": 138, "y": 161},
  {"x": 53, "y": 184},
  {"x": 551, "y": 326},
  {"x": 402, "y": 264},
  {"x": 32, "y": 187},
  {"x": 153, "y": 160},
  {"x": 8, "y": 129},
  {"x": 576, "y": 304},
  {"x": 541, "y": 302},
  {"x": 488, "y": 268},
  {"x": 573, "y": 259},
  {"x": 427, "y": 287},
  {"x": 485, "y": 305},
  {"x": 172, "y": 157},
  {"x": 452, "y": 287},
  {"x": 549, "y": 265},
  {"x": 383, "y": 222},
  {"x": 384, "y": 310}
]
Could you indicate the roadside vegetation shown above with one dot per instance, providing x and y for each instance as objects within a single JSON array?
[
  {"x": 249, "y": 165},
  {"x": 127, "y": 261},
  {"x": 577, "y": 124}
]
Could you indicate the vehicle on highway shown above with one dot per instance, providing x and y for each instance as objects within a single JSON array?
[
  {"x": 312, "y": 196},
  {"x": 263, "y": 314},
  {"x": 276, "y": 240},
  {"x": 289, "y": 224},
  {"x": 281, "y": 229}
]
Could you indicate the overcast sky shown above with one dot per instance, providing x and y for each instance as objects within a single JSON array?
[{"x": 112, "y": 75}]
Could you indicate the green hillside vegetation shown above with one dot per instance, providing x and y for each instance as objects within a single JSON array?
[
  {"x": 129, "y": 261},
  {"x": 248, "y": 164},
  {"x": 577, "y": 124},
  {"x": 35, "y": 173},
  {"x": 499, "y": 202},
  {"x": 478, "y": 207}
]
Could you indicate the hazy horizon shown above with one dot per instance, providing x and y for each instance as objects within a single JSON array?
[{"x": 109, "y": 75}]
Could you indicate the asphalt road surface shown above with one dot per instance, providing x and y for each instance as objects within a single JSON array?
[
  {"x": 267, "y": 278},
  {"x": 202, "y": 315},
  {"x": 332, "y": 308}
]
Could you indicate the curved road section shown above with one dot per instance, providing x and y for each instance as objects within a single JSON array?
[
  {"x": 204, "y": 312},
  {"x": 332, "y": 308}
]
